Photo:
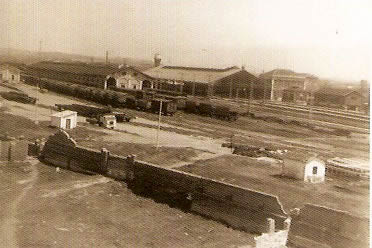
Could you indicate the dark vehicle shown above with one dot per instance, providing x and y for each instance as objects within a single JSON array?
[
  {"x": 207, "y": 109},
  {"x": 191, "y": 107},
  {"x": 224, "y": 113},
  {"x": 130, "y": 102},
  {"x": 18, "y": 97},
  {"x": 122, "y": 117},
  {"x": 168, "y": 107},
  {"x": 86, "y": 111},
  {"x": 143, "y": 104}
]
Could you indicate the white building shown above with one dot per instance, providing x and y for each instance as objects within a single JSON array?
[
  {"x": 304, "y": 167},
  {"x": 129, "y": 78},
  {"x": 9, "y": 74},
  {"x": 66, "y": 119}
]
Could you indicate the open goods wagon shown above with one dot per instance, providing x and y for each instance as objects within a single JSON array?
[{"x": 211, "y": 109}]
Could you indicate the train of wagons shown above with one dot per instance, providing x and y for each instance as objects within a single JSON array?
[{"x": 145, "y": 100}]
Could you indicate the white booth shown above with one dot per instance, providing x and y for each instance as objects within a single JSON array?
[{"x": 66, "y": 119}]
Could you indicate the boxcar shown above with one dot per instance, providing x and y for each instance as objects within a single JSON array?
[
  {"x": 168, "y": 107},
  {"x": 191, "y": 106},
  {"x": 143, "y": 104}
]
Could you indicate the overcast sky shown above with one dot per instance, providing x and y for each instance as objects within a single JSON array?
[{"x": 329, "y": 38}]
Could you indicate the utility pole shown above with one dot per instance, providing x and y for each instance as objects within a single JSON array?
[
  {"x": 250, "y": 97},
  {"x": 157, "y": 133},
  {"x": 37, "y": 98},
  {"x": 311, "y": 107}
]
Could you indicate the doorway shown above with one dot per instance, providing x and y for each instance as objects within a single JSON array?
[{"x": 68, "y": 123}]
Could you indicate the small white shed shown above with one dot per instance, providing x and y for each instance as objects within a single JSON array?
[
  {"x": 66, "y": 119},
  {"x": 303, "y": 166}
]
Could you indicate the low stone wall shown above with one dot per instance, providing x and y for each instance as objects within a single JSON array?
[{"x": 318, "y": 226}]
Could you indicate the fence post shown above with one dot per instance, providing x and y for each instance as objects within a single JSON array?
[{"x": 270, "y": 225}]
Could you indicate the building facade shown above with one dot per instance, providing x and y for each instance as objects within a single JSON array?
[
  {"x": 304, "y": 167},
  {"x": 348, "y": 99},
  {"x": 197, "y": 81},
  {"x": 282, "y": 81},
  {"x": 66, "y": 119},
  {"x": 9, "y": 74}
]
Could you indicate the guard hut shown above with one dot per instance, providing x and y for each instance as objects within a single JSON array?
[
  {"x": 66, "y": 119},
  {"x": 303, "y": 166}
]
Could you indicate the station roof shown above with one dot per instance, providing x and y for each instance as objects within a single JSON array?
[
  {"x": 79, "y": 68},
  {"x": 285, "y": 73},
  {"x": 190, "y": 74}
]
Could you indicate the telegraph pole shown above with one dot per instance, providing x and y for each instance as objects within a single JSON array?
[
  {"x": 157, "y": 133},
  {"x": 37, "y": 98}
]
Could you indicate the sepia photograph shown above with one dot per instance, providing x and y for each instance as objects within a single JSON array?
[{"x": 185, "y": 123}]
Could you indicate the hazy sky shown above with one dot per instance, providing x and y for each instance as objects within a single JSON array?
[{"x": 329, "y": 38}]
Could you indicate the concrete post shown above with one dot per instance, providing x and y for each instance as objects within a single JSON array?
[
  {"x": 287, "y": 224},
  {"x": 104, "y": 159},
  {"x": 270, "y": 225},
  {"x": 131, "y": 160}
]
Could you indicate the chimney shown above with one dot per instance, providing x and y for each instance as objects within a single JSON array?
[
  {"x": 157, "y": 60},
  {"x": 107, "y": 58}
]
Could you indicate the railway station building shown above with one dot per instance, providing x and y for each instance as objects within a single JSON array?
[
  {"x": 230, "y": 82},
  {"x": 287, "y": 85},
  {"x": 348, "y": 99},
  {"x": 9, "y": 73},
  {"x": 90, "y": 74}
]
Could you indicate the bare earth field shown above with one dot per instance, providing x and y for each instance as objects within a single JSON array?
[
  {"x": 351, "y": 195},
  {"x": 45, "y": 208}
]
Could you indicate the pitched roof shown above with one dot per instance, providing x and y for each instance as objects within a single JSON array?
[
  {"x": 336, "y": 91},
  {"x": 280, "y": 73},
  {"x": 76, "y": 67},
  {"x": 190, "y": 74},
  {"x": 301, "y": 156}
]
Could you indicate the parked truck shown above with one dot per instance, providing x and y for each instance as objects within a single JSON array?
[{"x": 104, "y": 120}]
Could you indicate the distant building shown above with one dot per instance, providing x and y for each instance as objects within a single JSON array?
[
  {"x": 66, "y": 119},
  {"x": 10, "y": 74},
  {"x": 349, "y": 99},
  {"x": 227, "y": 82},
  {"x": 304, "y": 167},
  {"x": 97, "y": 75},
  {"x": 129, "y": 78},
  {"x": 283, "y": 80}
]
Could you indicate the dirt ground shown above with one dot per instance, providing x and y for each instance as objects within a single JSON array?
[
  {"x": 348, "y": 195},
  {"x": 46, "y": 208}
]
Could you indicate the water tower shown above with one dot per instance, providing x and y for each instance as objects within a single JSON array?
[{"x": 157, "y": 60}]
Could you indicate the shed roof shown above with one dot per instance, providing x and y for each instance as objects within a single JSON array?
[
  {"x": 65, "y": 113},
  {"x": 76, "y": 67},
  {"x": 336, "y": 91},
  {"x": 190, "y": 74},
  {"x": 301, "y": 156}
]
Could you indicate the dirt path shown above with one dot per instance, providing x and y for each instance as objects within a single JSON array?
[{"x": 9, "y": 224}]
